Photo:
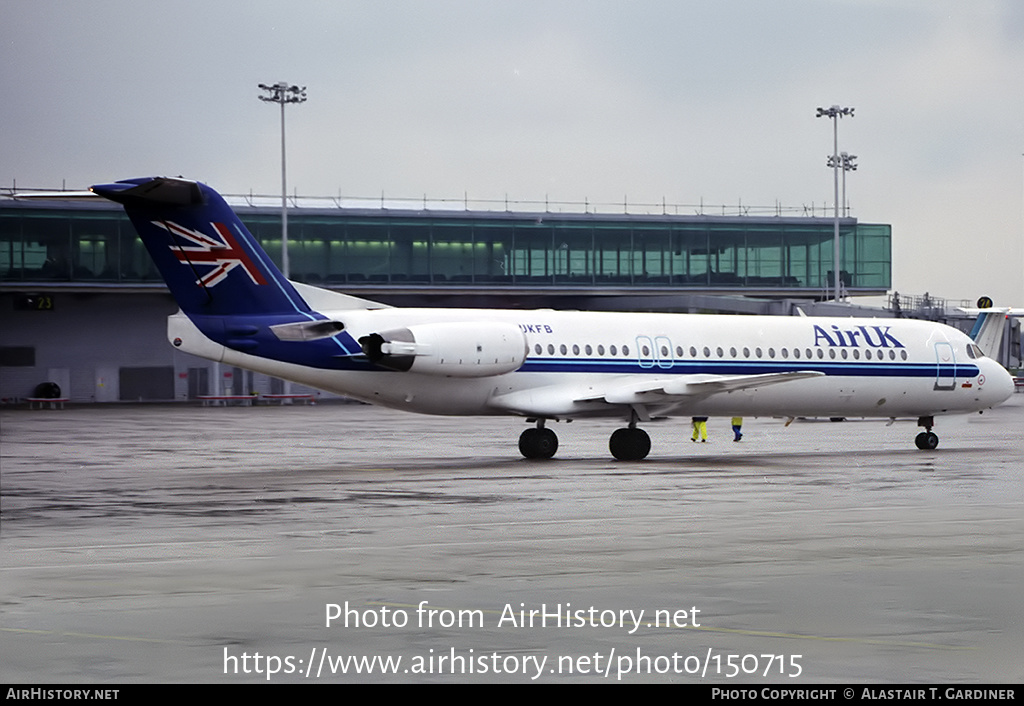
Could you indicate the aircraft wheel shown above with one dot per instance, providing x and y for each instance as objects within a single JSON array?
[
  {"x": 629, "y": 444},
  {"x": 927, "y": 440},
  {"x": 538, "y": 443}
]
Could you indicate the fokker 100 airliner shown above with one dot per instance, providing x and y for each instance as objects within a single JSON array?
[{"x": 237, "y": 308}]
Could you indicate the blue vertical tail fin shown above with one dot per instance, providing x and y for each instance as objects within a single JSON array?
[{"x": 211, "y": 263}]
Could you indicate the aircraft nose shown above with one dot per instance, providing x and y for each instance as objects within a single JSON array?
[{"x": 998, "y": 383}]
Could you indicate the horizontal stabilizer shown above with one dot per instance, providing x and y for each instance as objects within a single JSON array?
[
  {"x": 162, "y": 191},
  {"x": 55, "y": 195}
]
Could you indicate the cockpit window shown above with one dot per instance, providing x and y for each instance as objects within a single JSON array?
[{"x": 974, "y": 352}]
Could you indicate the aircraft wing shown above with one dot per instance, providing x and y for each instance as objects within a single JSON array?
[
  {"x": 667, "y": 389},
  {"x": 568, "y": 400}
]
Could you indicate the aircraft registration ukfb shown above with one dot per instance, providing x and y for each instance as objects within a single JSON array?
[{"x": 237, "y": 308}]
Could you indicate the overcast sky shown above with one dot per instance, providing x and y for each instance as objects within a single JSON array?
[{"x": 645, "y": 100}]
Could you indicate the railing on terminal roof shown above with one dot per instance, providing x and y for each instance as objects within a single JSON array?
[
  {"x": 925, "y": 305},
  {"x": 624, "y": 207},
  {"x": 546, "y": 205}
]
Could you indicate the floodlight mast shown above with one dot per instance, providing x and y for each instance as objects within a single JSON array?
[
  {"x": 283, "y": 93},
  {"x": 835, "y": 112},
  {"x": 847, "y": 165}
]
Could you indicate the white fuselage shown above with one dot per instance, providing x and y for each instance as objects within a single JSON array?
[{"x": 580, "y": 364}]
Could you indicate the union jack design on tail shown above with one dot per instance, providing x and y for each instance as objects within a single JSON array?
[{"x": 222, "y": 255}]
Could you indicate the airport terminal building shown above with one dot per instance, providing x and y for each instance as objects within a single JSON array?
[{"x": 84, "y": 307}]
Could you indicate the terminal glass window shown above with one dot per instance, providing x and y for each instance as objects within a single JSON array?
[
  {"x": 613, "y": 251},
  {"x": 96, "y": 246},
  {"x": 651, "y": 261},
  {"x": 574, "y": 253},
  {"x": 692, "y": 256},
  {"x": 727, "y": 256},
  {"x": 37, "y": 246},
  {"x": 452, "y": 252},
  {"x": 494, "y": 251},
  {"x": 309, "y": 248},
  {"x": 765, "y": 257},
  {"x": 533, "y": 260},
  {"x": 368, "y": 252},
  {"x": 417, "y": 248},
  {"x": 411, "y": 252},
  {"x": 872, "y": 257}
]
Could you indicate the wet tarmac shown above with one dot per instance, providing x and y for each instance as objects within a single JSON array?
[{"x": 185, "y": 544}]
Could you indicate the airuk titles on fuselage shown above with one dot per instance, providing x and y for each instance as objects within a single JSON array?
[
  {"x": 880, "y": 338},
  {"x": 871, "y": 336}
]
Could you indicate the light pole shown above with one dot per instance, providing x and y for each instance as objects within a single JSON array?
[
  {"x": 283, "y": 93},
  {"x": 848, "y": 165},
  {"x": 835, "y": 112}
]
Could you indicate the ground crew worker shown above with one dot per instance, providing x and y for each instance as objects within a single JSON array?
[
  {"x": 737, "y": 426},
  {"x": 700, "y": 428}
]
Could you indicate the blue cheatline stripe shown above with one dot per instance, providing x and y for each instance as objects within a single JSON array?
[
  {"x": 344, "y": 340},
  {"x": 577, "y": 365}
]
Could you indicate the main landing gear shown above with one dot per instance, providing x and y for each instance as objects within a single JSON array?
[
  {"x": 630, "y": 443},
  {"x": 926, "y": 440},
  {"x": 626, "y": 444},
  {"x": 538, "y": 442}
]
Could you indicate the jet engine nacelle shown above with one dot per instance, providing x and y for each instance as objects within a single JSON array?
[{"x": 464, "y": 349}]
